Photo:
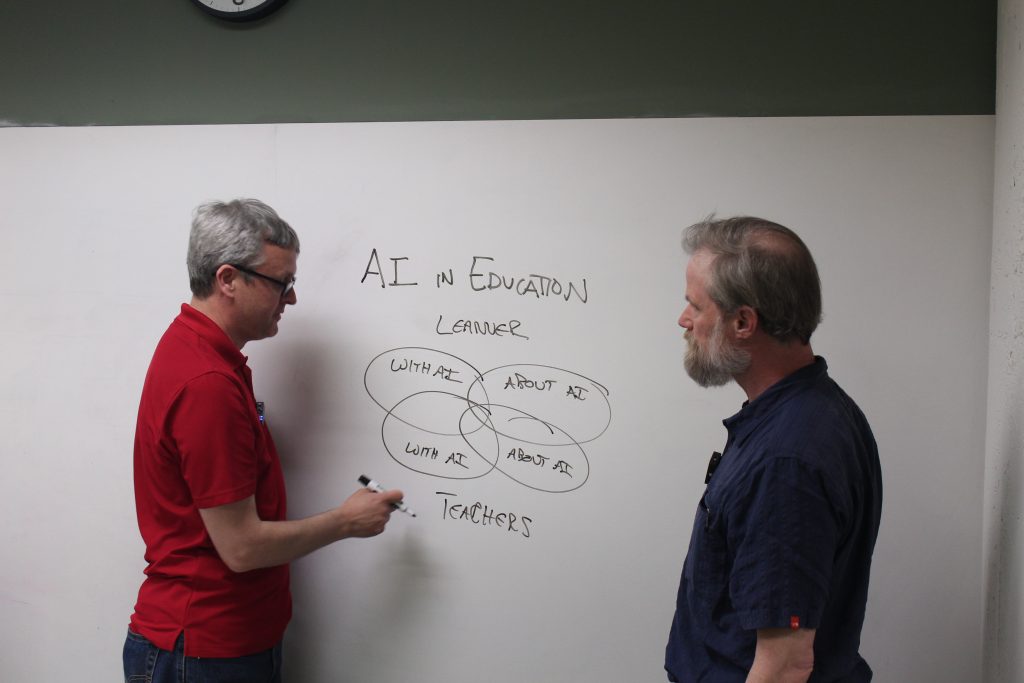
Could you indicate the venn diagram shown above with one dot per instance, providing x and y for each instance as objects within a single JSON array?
[{"x": 445, "y": 418}]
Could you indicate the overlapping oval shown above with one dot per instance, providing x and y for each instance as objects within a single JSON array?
[{"x": 446, "y": 419}]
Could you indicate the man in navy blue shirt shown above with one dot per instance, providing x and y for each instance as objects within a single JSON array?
[{"x": 775, "y": 581}]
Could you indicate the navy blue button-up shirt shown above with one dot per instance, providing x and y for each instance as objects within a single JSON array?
[{"x": 783, "y": 535}]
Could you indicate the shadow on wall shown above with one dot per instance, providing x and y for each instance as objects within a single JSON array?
[
  {"x": 303, "y": 373},
  {"x": 299, "y": 370},
  {"x": 1003, "y": 561}
]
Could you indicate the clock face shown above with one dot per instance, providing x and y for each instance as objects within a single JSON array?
[{"x": 239, "y": 10}]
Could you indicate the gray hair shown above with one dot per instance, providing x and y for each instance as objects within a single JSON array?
[
  {"x": 232, "y": 232},
  {"x": 763, "y": 265}
]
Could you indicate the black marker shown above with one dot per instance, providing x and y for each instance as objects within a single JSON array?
[{"x": 371, "y": 484}]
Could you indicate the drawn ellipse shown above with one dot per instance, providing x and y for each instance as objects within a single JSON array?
[
  {"x": 576, "y": 404},
  {"x": 395, "y": 375},
  {"x": 558, "y": 466},
  {"x": 446, "y": 455}
]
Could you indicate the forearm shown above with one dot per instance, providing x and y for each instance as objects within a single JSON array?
[
  {"x": 764, "y": 674},
  {"x": 783, "y": 656},
  {"x": 269, "y": 544},
  {"x": 246, "y": 542}
]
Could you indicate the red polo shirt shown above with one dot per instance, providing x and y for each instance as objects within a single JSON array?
[{"x": 200, "y": 443}]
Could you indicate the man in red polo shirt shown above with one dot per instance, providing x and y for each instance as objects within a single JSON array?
[{"x": 209, "y": 492}]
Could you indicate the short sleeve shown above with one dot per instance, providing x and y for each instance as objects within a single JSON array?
[
  {"x": 784, "y": 532},
  {"x": 212, "y": 426}
]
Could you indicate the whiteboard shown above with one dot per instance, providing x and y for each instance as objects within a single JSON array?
[{"x": 486, "y": 318}]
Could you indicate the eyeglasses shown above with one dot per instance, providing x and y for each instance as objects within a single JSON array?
[{"x": 286, "y": 287}]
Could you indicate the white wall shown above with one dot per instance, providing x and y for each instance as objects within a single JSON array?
[
  {"x": 896, "y": 210},
  {"x": 1004, "y": 452}
]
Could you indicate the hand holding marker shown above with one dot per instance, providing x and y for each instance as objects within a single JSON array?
[{"x": 374, "y": 486}]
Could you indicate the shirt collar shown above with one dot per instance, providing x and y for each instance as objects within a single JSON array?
[
  {"x": 213, "y": 335},
  {"x": 743, "y": 422}
]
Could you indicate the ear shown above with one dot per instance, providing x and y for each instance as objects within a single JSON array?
[
  {"x": 745, "y": 322},
  {"x": 225, "y": 280}
]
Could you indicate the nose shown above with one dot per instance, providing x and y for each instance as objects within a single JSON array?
[
  {"x": 291, "y": 297},
  {"x": 685, "y": 319}
]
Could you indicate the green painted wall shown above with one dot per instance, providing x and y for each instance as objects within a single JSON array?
[{"x": 120, "y": 62}]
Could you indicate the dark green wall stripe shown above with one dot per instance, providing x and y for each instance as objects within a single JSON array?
[{"x": 113, "y": 62}]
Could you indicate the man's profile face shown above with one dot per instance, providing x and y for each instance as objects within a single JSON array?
[
  {"x": 260, "y": 302},
  {"x": 711, "y": 358}
]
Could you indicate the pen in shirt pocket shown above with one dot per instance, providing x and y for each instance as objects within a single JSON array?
[{"x": 707, "y": 512}]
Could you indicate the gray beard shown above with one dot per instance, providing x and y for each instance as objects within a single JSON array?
[{"x": 718, "y": 363}]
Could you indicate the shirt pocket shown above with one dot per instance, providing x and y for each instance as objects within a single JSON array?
[{"x": 709, "y": 564}]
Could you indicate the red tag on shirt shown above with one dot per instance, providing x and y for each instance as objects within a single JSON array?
[{"x": 794, "y": 623}]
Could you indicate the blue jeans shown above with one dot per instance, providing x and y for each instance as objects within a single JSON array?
[{"x": 146, "y": 663}]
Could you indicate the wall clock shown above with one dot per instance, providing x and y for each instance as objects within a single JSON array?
[{"x": 239, "y": 10}]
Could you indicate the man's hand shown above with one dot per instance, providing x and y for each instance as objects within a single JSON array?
[{"x": 367, "y": 512}]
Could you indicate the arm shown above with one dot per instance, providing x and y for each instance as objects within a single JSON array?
[
  {"x": 783, "y": 655},
  {"x": 245, "y": 542}
]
